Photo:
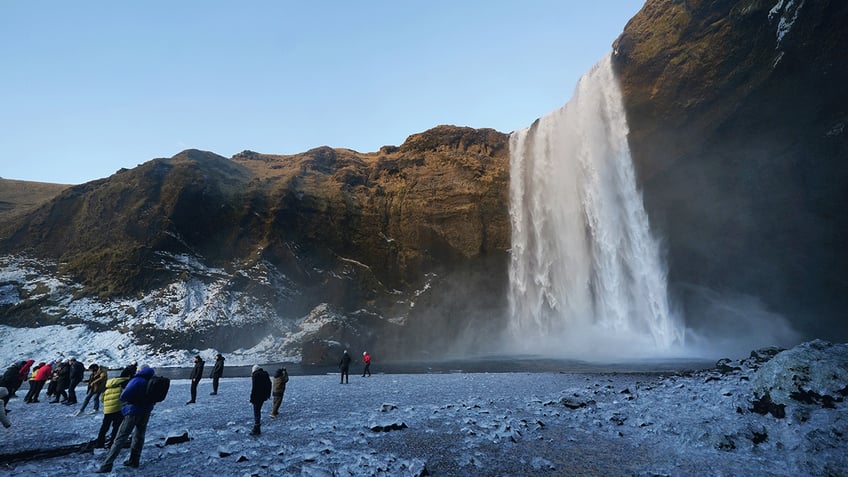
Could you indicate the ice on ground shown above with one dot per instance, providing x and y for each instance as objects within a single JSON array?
[{"x": 683, "y": 423}]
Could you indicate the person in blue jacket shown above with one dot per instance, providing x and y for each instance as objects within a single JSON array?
[{"x": 136, "y": 413}]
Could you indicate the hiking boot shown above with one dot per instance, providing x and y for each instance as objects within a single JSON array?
[
  {"x": 213, "y": 393},
  {"x": 255, "y": 431},
  {"x": 104, "y": 469},
  {"x": 273, "y": 416},
  {"x": 133, "y": 460},
  {"x": 78, "y": 413},
  {"x": 190, "y": 402}
]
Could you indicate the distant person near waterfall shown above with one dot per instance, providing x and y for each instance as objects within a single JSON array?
[
  {"x": 281, "y": 377},
  {"x": 217, "y": 372},
  {"x": 260, "y": 391},
  {"x": 344, "y": 366},
  {"x": 366, "y": 360},
  {"x": 196, "y": 374}
]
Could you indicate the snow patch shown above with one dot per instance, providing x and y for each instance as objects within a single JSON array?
[{"x": 786, "y": 12}]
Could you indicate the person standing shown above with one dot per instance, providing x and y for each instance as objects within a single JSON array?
[
  {"x": 196, "y": 374},
  {"x": 77, "y": 370},
  {"x": 96, "y": 386},
  {"x": 281, "y": 377},
  {"x": 23, "y": 374},
  {"x": 366, "y": 359},
  {"x": 3, "y": 419},
  {"x": 344, "y": 366},
  {"x": 11, "y": 380},
  {"x": 136, "y": 414},
  {"x": 217, "y": 372},
  {"x": 260, "y": 391},
  {"x": 40, "y": 374},
  {"x": 112, "y": 404},
  {"x": 132, "y": 368}
]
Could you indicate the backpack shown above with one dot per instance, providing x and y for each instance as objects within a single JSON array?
[{"x": 157, "y": 388}]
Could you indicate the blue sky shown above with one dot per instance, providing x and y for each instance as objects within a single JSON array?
[{"x": 90, "y": 87}]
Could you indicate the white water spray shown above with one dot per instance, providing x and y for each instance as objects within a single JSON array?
[{"x": 586, "y": 278}]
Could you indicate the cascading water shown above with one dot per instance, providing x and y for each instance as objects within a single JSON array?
[{"x": 586, "y": 278}]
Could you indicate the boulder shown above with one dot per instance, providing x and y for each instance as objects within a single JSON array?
[{"x": 815, "y": 372}]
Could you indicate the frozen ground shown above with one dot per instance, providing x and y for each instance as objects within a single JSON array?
[{"x": 471, "y": 424}]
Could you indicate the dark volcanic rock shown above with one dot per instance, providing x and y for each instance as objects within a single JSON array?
[
  {"x": 737, "y": 113},
  {"x": 355, "y": 231}
]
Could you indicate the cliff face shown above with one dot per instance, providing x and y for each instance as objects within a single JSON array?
[
  {"x": 737, "y": 113},
  {"x": 389, "y": 232}
]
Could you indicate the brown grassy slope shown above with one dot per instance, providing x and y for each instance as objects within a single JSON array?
[{"x": 19, "y": 197}]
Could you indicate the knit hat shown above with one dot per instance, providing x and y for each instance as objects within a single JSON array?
[{"x": 255, "y": 368}]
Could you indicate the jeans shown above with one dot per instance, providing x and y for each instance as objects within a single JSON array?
[
  {"x": 137, "y": 422},
  {"x": 91, "y": 394}
]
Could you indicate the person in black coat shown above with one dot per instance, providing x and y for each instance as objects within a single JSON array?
[
  {"x": 260, "y": 391},
  {"x": 77, "y": 372},
  {"x": 196, "y": 374},
  {"x": 217, "y": 372},
  {"x": 344, "y": 366},
  {"x": 11, "y": 380},
  {"x": 63, "y": 379}
]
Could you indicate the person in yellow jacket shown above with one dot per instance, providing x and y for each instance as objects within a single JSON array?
[{"x": 112, "y": 404}]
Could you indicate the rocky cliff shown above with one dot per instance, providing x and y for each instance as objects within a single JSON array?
[
  {"x": 737, "y": 113},
  {"x": 395, "y": 233}
]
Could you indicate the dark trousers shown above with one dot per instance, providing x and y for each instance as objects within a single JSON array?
[
  {"x": 72, "y": 390},
  {"x": 345, "y": 375},
  {"x": 367, "y": 370},
  {"x": 35, "y": 388},
  {"x": 215, "y": 384},
  {"x": 130, "y": 423},
  {"x": 257, "y": 413},
  {"x": 112, "y": 420},
  {"x": 194, "y": 383}
]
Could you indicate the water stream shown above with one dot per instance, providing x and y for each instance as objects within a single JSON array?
[{"x": 586, "y": 273}]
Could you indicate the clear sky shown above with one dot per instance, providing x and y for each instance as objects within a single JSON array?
[{"x": 87, "y": 88}]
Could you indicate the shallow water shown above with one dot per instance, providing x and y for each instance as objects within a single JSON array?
[{"x": 488, "y": 364}]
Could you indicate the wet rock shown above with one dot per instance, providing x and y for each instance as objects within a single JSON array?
[
  {"x": 177, "y": 438},
  {"x": 764, "y": 355},
  {"x": 725, "y": 366},
  {"x": 813, "y": 373},
  {"x": 389, "y": 426},
  {"x": 576, "y": 402}
]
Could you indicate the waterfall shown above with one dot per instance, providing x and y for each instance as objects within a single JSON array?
[{"x": 586, "y": 276}]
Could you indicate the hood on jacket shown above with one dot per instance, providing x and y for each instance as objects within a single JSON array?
[{"x": 146, "y": 372}]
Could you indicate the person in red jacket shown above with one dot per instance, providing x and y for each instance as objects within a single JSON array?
[
  {"x": 366, "y": 359},
  {"x": 40, "y": 375}
]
